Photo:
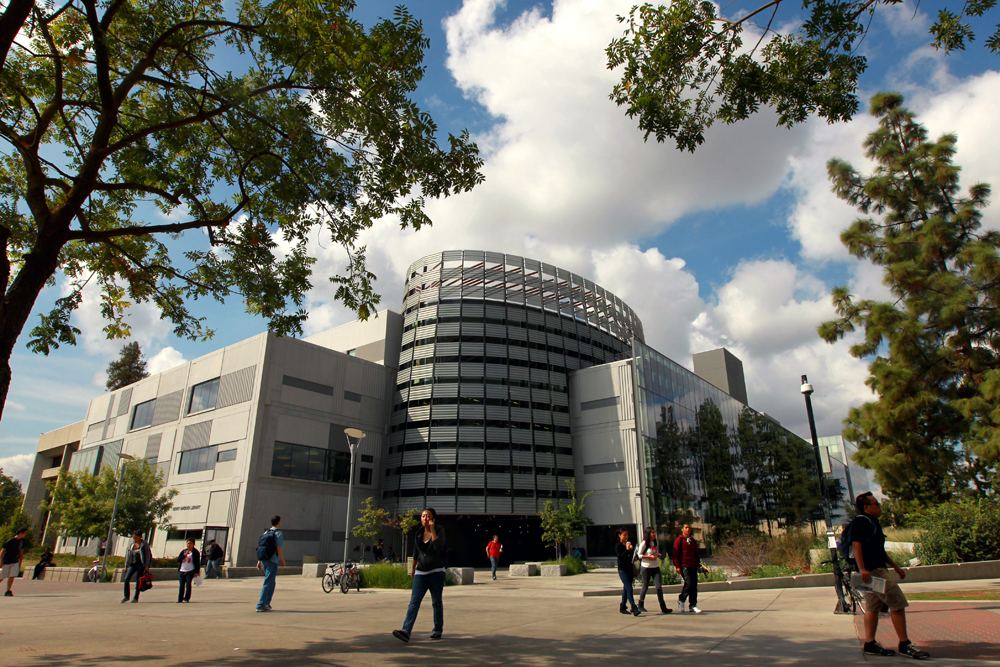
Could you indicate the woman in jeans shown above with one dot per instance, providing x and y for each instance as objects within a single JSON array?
[
  {"x": 137, "y": 560},
  {"x": 189, "y": 568},
  {"x": 428, "y": 573},
  {"x": 649, "y": 556},
  {"x": 624, "y": 551}
]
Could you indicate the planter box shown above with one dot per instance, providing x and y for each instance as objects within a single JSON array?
[
  {"x": 524, "y": 570},
  {"x": 554, "y": 570},
  {"x": 313, "y": 570},
  {"x": 461, "y": 576}
]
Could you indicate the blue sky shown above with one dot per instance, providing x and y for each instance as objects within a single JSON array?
[{"x": 736, "y": 245}]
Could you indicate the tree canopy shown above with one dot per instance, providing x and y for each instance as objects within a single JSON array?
[
  {"x": 128, "y": 368},
  {"x": 564, "y": 520},
  {"x": 11, "y": 497},
  {"x": 172, "y": 150},
  {"x": 83, "y": 502},
  {"x": 934, "y": 346},
  {"x": 685, "y": 65}
]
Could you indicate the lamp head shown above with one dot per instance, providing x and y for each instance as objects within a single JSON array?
[
  {"x": 126, "y": 457},
  {"x": 354, "y": 433},
  {"x": 807, "y": 388}
]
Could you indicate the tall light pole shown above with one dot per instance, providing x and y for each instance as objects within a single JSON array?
[
  {"x": 831, "y": 539},
  {"x": 114, "y": 510},
  {"x": 357, "y": 434}
]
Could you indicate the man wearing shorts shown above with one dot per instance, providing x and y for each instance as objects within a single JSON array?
[
  {"x": 11, "y": 555},
  {"x": 869, "y": 552}
]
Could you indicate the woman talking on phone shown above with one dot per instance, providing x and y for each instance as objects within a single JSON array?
[
  {"x": 428, "y": 571},
  {"x": 624, "y": 550},
  {"x": 648, "y": 553}
]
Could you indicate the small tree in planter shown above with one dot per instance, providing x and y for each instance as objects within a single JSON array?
[
  {"x": 370, "y": 522},
  {"x": 562, "y": 523},
  {"x": 405, "y": 523}
]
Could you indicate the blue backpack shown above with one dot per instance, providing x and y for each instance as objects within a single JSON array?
[{"x": 267, "y": 545}]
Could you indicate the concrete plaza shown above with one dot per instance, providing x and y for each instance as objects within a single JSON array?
[{"x": 532, "y": 621}]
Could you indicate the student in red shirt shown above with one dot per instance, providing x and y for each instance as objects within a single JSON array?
[
  {"x": 493, "y": 550},
  {"x": 686, "y": 560}
]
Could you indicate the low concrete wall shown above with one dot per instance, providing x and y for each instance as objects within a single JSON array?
[
  {"x": 988, "y": 569},
  {"x": 524, "y": 570},
  {"x": 554, "y": 570},
  {"x": 313, "y": 570},
  {"x": 462, "y": 576},
  {"x": 59, "y": 573}
]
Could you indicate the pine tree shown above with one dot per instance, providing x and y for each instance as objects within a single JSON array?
[
  {"x": 933, "y": 348},
  {"x": 130, "y": 367}
]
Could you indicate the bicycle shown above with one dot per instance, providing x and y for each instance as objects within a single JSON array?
[
  {"x": 96, "y": 573},
  {"x": 854, "y": 598},
  {"x": 335, "y": 577}
]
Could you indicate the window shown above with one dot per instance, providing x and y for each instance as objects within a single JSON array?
[
  {"x": 184, "y": 535},
  {"x": 366, "y": 476},
  {"x": 352, "y": 353},
  {"x": 198, "y": 460},
  {"x": 203, "y": 396},
  {"x": 228, "y": 455},
  {"x": 313, "y": 463},
  {"x": 367, "y": 458},
  {"x": 142, "y": 415}
]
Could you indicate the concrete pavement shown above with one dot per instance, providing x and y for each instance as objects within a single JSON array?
[{"x": 518, "y": 621}]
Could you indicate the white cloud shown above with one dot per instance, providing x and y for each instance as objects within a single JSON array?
[
  {"x": 18, "y": 466},
  {"x": 164, "y": 360}
]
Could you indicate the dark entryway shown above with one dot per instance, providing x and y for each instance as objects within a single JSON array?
[{"x": 467, "y": 537}]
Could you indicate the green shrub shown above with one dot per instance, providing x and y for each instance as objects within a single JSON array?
[
  {"x": 668, "y": 575},
  {"x": 713, "y": 574},
  {"x": 744, "y": 553},
  {"x": 769, "y": 571},
  {"x": 792, "y": 549},
  {"x": 386, "y": 575},
  {"x": 825, "y": 568},
  {"x": 900, "y": 556},
  {"x": 573, "y": 565},
  {"x": 961, "y": 532}
]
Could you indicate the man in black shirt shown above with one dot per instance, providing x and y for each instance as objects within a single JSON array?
[
  {"x": 11, "y": 556},
  {"x": 869, "y": 552}
]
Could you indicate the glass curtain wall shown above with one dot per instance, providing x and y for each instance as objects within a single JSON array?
[
  {"x": 480, "y": 421},
  {"x": 713, "y": 462}
]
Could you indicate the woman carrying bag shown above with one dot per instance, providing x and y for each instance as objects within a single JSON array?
[
  {"x": 648, "y": 555},
  {"x": 189, "y": 567}
]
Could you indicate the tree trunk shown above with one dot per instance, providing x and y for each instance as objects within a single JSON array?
[{"x": 11, "y": 23}]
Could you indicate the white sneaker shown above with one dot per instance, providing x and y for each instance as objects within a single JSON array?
[
  {"x": 695, "y": 610},
  {"x": 680, "y": 606}
]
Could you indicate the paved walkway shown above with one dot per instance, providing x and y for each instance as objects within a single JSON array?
[{"x": 515, "y": 621}]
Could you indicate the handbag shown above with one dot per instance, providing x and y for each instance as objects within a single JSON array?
[{"x": 145, "y": 582}]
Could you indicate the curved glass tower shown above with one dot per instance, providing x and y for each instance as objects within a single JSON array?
[{"x": 480, "y": 421}]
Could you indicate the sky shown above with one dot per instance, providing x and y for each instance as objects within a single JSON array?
[{"x": 736, "y": 245}]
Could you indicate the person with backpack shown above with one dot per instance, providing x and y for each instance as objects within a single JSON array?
[
  {"x": 687, "y": 559},
  {"x": 429, "y": 571},
  {"x": 138, "y": 558},
  {"x": 866, "y": 537},
  {"x": 648, "y": 554},
  {"x": 269, "y": 554}
]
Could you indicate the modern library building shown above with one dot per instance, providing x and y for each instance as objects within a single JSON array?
[{"x": 503, "y": 383}]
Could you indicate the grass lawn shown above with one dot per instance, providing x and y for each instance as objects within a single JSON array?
[{"x": 955, "y": 595}]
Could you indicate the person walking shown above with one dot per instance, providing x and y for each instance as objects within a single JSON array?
[
  {"x": 214, "y": 557},
  {"x": 624, "y": 551},
  {"x": 43, "y": 562},
  {"x": 269, "y": 554},
  {"x": 137, "y": 560},
  {"x": 377, "y": 550},
  {"x": 493, "y": 550},
  {"x": 189, "y": 567},
  {"x": 428, "y": 572},
  {"x": 649, "y": 556},
  {"x": 868, "y": 541},
  {"x": 686, "y": 560},
  {"x": 11, "y": 558}
]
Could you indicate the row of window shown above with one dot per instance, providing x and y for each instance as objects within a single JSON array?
[
  {"x": 481, "y": 400},
  {"x": 477, "y": 468},
  {"x": 492, "y": 446},
  {"x": 488, "y": 423},
  {"x": 530, "y": 326},
  {"x": 480, "y": 380},
  {"x": 506, "y": 361},
  {"x": 203, "y": 397},
  {"x": 317, "y": 464},
  {"x": 491, "y": 493},
  {"x": 204, "y": 458},
  {"x": 496, "y": 340}
]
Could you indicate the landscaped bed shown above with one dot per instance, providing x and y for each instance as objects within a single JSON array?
[{"x": 956, "y": 595}]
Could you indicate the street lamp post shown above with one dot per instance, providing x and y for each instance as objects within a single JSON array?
[
  {"x": 831, "y": 539},
  {"x": 357, "y": 434},
  {"x": 114, "y": 510}
]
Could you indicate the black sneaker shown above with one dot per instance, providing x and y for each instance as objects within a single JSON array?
[
  {"x": 8, "y": 594},
  {"x": 874, "y": 648},
  {"x": 401, "y": 635},
  {"x": 910, "y": 650},
  {"x": 435, "y": 635},
  {"x": 664, "y": 609}
]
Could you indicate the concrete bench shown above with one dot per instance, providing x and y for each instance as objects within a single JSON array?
[
  {"x": 461, "y": 576},
  {"x": 559, "y": 570},
  {"x": 524, "y": 570},
  {"x": 313, "y": 570}
]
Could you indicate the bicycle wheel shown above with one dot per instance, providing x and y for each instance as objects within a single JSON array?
[
  {"x": 345, "y": 583},
  {"x": 858, "y": 598},
  {"x": 336, "y": 570},
  {"x": 328, "y": 583}
]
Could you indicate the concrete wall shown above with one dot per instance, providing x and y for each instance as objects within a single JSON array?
[
  {"x": 53, "y": 445},
  {"x": 376, "y": 339},
  {"x": 606, "y": 460}
]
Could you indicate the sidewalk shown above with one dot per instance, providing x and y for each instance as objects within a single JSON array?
[{"x": 534, "y": 621}]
